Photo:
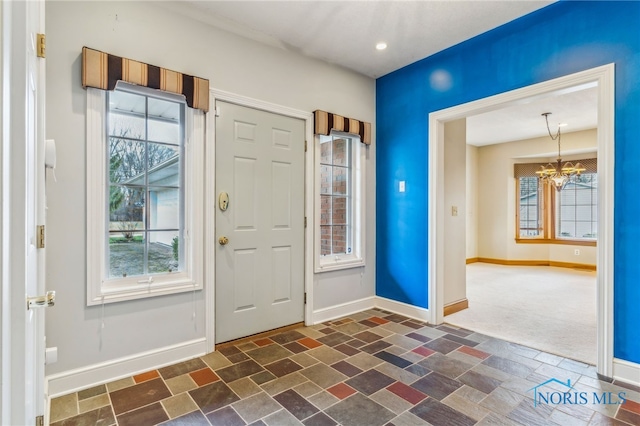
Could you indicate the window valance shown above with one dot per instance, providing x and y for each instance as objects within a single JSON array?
[
  {"x": 530, "y": 169},
  {"x": 324, "y": 122},
  {"x": 102, "y": 71}
]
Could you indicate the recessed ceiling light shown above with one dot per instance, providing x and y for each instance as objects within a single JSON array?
[
  {"x": 562, "y": 124},
  {"x": 381, "y": 46}
]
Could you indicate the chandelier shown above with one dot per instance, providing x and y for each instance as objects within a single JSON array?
[{"x": 558, "y": 175}]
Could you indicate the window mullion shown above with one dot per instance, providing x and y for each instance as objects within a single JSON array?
[{"x": 147, "y": 193}]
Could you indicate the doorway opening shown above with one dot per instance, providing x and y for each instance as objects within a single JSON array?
[{"x": 440, "y": 260}]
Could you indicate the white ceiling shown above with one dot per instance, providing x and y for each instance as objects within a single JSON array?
[
  {"x": 346, "y": 32},
  {"x": 578, "y": 109}
]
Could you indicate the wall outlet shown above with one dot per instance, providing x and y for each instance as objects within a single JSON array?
[
  {"x": 401, "y": 187},
  {"x": 576, "y": 252}
]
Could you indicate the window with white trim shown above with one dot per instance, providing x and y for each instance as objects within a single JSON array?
[
  {"x": 144, "y": 167},
  {"x": 340, "y": 202}
]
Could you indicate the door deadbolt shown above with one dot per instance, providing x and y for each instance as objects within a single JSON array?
[
  {"x": 223, "y": 201},
  {"x": 223, "y": 241}
]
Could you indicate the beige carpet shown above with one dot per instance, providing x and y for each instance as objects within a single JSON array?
[{"x": 546, "y": 308}]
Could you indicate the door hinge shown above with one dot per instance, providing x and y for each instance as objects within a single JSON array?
[
  {"x": 41, "y": 45},
  {"x": 40, "y": 421},
  {"x": 217, "y": 111},
  {"x": 305, "y": 297},
  {"x": 40, "y": 236},
  {"x": 305, "y": 221},
  {"x": 305, "y": 146}
]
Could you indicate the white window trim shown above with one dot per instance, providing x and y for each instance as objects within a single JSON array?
[
  {"x": 357, "y": 257},
  {"x": 98, "y": 290}
]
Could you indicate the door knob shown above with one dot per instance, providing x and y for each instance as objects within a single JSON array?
[
  {"x": 223, "y": 241},
  {"x": 47, "y": 300}
]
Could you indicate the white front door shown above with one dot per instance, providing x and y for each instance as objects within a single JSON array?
[
  {"x": 22, "y": 213},
  {"x": 260, "y": 270}
]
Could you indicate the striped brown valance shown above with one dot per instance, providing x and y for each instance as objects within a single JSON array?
[
  {"x": 530, "y": 169},
  {"x": 102, "y": 71},
  {"x": 324, "y": 122}
]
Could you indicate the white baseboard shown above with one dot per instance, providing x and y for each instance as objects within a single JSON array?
[
  {"x": 405, "y": 309},
  {"x": 625, "y": 371},
  {"x": 97, "y": 374},
  {"x": 342, "y": 310}
]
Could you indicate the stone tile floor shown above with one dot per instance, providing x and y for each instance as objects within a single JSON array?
[{"x": 367, "y": 369}]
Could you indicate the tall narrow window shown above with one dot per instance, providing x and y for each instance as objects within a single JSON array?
[
  {"x": 530, "y": 207},
  {"x": 146, "y": 189},
  {"x": 577, "y": 208},
  {"x": 335, "y": 195},
  {"x": 340, "y": 196},
  {"x": 145, "y": 168}
]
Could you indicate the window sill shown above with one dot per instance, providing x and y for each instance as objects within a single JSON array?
[
  {"x": 555, "y": 241},
  {"x": 119, "y": 293},
  {"x": 336, "y": 265}
]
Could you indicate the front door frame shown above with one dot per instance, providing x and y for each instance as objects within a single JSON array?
[
  {"x": 604, "y": 76},
  {"x": 211, "y": 200},
  {"x": 22, "y": 393}
]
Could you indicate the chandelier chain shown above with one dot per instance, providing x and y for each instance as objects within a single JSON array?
[{"x": 558, "y": 133}]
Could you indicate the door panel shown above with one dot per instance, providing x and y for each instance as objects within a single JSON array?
[
  {"x": 260, "y": 271},
  {"x": 22, "y": 211}
]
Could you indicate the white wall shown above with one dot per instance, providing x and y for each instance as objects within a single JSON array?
[
  {"x": 455, "y": 152},
  {"x": 472, "y": 201},
  {"x": 497, "y": 203},
  {"x": 145, "y": 31}
]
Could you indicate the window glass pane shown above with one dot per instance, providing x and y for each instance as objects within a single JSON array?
[
  {"x": 340, "y": 152},
  {"x": 339, "y": 239},
  {"x": 126, "y": 209},
  {"x": 164, "y": 208},
  {"x": 325, "y": 152},
  {"x": 127, "y": 115},
  {"x": 127, "y": 161},
  {"x": 164, "y": 251},
  {"x": 127, "y": 126},
  {"x": 325, "y": 240},
  {"x": 325, "y": 179},
  {"x": 583, "y": 213},
  {"x": 340, "y": 180},
  {"x": 325, "y": 210},
  {"x": 339, "y": 211},
  {"x": 583, "y": 196},
  {"x": 584, "y": 230},
  {"x": 567, "y": 212},
  {"x": 164, "y": 121},
  {"x": 577, "y": 208},
  {"x": 126, "y": 254},
  {"x": 567, "y": 229},
  {"x": 530, "y": 217}
]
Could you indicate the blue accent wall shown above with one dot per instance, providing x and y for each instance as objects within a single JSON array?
[{"x": 561, "y": 39}]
